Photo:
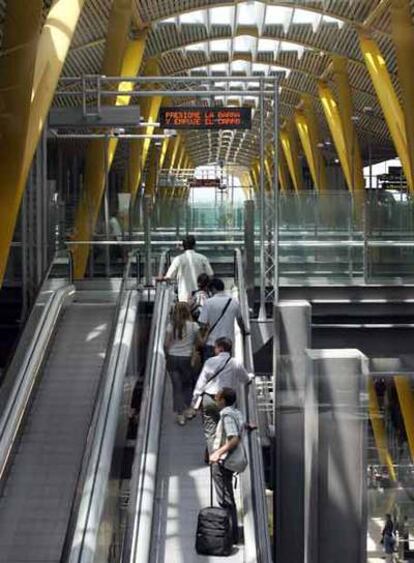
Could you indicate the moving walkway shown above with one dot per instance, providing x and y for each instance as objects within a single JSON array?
[
  {"x": 170, "y": 481},
  {"x": 59, "y": 418}
]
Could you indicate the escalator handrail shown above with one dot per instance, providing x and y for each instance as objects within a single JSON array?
[
  {"x": 143, "y": 482},
  {"x": 257, "y": 484},
  {"x": 88, "y": 504},
  {"x": 85, "y": 536},
  {"x": 28, "y": 372}
]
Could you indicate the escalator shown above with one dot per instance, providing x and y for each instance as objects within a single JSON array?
[
  {"x": 65, "y": 380},
  {"x": 170, "y": 482}
]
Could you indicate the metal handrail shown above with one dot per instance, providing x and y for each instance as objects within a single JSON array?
[
  {"x": 27, "y": 375},
  {"x": 253, "y": 479},
  {"x": 85, "y": 537},
  {"x": 95, "y": 469},
  {"x": 138, "y": 537}
]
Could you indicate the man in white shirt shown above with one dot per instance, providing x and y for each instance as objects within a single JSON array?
[
  {"x": 187, "y": 267},
  {"x": 218, "y": 315},
  {"x": 218, "y": 372}
]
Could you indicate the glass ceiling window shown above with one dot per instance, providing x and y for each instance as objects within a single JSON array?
[
  {"x": 254, "y": 14},
  {"x": 250, "y": 13},
  {"x": 244, "y": 44},
  {"x": 198, "y": 16},
  {"x": 222, "y": 15},
  {"x": 277, "y": 15},
  {"x": 220, "y": 45},
  {"x": 196, "y": 47}
]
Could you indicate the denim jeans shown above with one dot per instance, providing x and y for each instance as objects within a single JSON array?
[{"x": 182, "y": 379}]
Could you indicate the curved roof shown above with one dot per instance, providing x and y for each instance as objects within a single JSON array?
[{"x": 215, "y": 38}]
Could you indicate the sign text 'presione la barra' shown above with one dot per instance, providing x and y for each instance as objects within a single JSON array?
[{"x": 205, "y": 118}]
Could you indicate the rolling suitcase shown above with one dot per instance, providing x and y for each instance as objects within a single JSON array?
[{"x": 214, "y": 529}]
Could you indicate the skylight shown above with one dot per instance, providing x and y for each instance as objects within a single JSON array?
[
  {"x": 197, "y": 16},
  {"x": 255, "y": 14},
  {"x": 250, "y": 13},
  {"x": 222, "y": 15},
  {"x": 244, "y": 44},
  {"x": 277, "y": 15},
  {"x": 196, "y": 47},
  {"x": 220, "y": 45},
  {"x": 268, "y": 45}
]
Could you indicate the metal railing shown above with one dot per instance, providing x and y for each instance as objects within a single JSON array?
[
  {"x": 256, "y": 521},
  {"x": 138, "y": 537},
  {"x": 105, "y": 422}
]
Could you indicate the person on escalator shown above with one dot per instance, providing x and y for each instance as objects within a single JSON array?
[
  {"x": 186, "y": 268},
  {"x": 218, "y": 372},
  {"x": 224, "y": 458},
  {"x": 200, "y": 295},
  {"x": 218, "y": 315},
  {"x": 180, "y": 338}
]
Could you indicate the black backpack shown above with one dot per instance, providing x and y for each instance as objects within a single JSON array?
[{"x": 214, "y": 529}]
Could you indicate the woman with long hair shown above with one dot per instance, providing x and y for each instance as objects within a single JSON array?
[{"x": 179, "y": 343}]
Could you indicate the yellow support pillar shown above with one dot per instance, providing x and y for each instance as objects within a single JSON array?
[
  {"x": 175, "y": 153},
  {"x": 284, "y": 177},
  {"x": 164, "y": 150},
  {"x": 389, "y": 102},
  {"x": 333, "y": 118},
  {"x": 21, "y": 32},
  {"x": 169, "y": 152},
  {"x": 310, "y": 136},
  {"x": 54, "y": 43},
  {"x": 290, "y": 148},
  {"x": 139, "y": 148},
  {"x": 406, "y": 400},
  {"x": 181, "y": 157},
  {"x": 353, "y": 151},
  {"x": 99, "y": 158},
  {"x": 403, "y": 36},
  {"x": 378, "y": 429}
]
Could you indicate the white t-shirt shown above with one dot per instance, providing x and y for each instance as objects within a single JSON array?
[
  {"x": 233, "y": 375},
  {"x": 212, "y": 310},
  {"x": 186, "y": 268},
  {"x": 183, "y": 347}
]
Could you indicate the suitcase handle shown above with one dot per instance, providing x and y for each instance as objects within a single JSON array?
[{"x": 211, "y": 484}]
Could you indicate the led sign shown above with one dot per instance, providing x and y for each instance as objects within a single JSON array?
[{"x": 205, "y": 118}]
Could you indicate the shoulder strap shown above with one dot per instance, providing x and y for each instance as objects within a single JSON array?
[
  {"x": 210, "y": 330},
  {"x": 236, "y": 422},
  {"x": 215, "y": 374}
]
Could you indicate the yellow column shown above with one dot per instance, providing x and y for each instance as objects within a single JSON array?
[
  {"x": 290, "y": 148},
  {"x": 378, "y": 429},
  {"x": 181, "y": 157},
  {"x": 284, "y": 177},
  {"x": 164, "y": 150},
  {"x": 403, "y": 36},
  {"x": 175, "y": 153},
  {"x": 139, "y": 149},
  {"x": 99, "y": 156},
  {"x": 17, "y": 64},
  {"x": 406, "y": 400},
  {"x": 310, "y": 136},
  {"x": 352, "y": 148},
  {"x": 333, "y": 118},
  {"x": 268, "y": 174},
  {"x": 54, "y": 44},
  {"x": 389, "y": 102}
]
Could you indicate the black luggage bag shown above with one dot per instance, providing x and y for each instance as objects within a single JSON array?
[{"x": 214, "y": 529}]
